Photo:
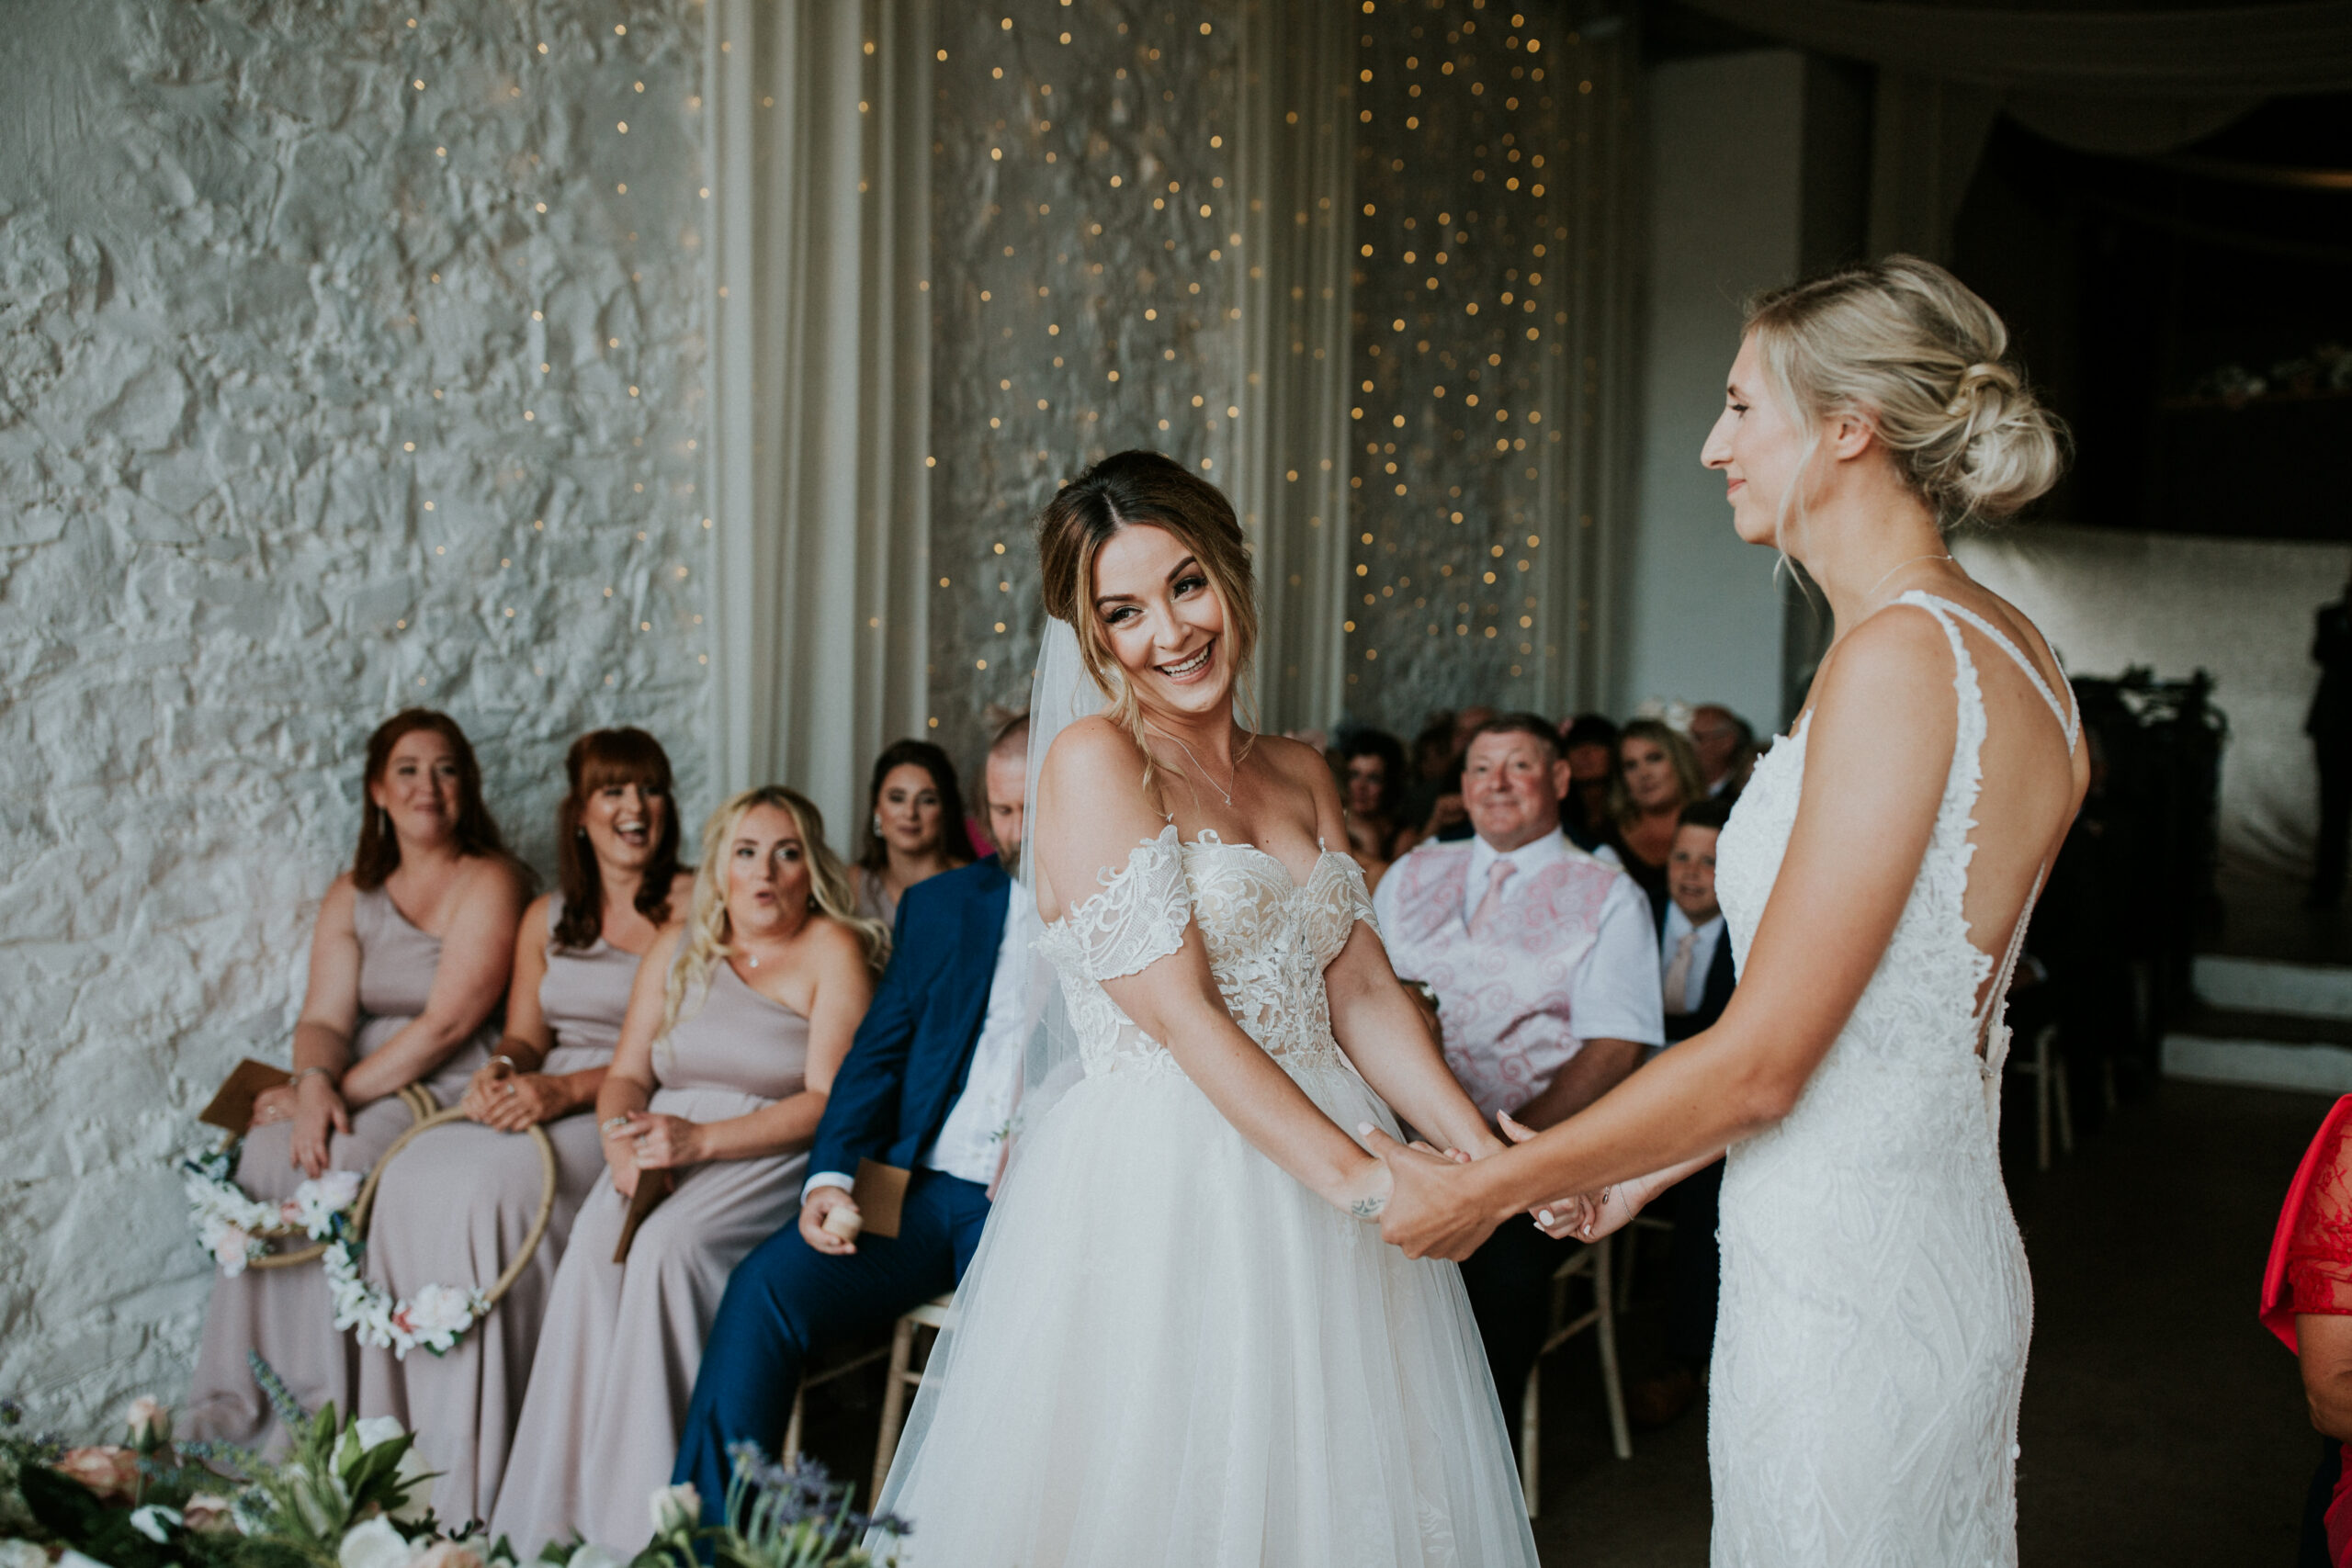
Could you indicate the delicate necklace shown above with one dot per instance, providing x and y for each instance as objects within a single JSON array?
[
  {"x": 1221, "y": 789},
  {"x": 1899, "y": 566}
]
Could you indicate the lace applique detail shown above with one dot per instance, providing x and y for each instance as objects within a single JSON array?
[
  {"x": 1268, "y": 940},
  {"x": 1136, "y": 919}
]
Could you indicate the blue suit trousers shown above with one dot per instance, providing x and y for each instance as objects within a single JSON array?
[{"x": 787, "y": 1298}]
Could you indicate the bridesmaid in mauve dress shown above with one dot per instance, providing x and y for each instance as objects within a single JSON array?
[
  {"x": 408, "y": 965},
  {"x": 914, "y": 827},
  {"x": 737, "y": 1024},
  {"x": 457, "y": 1204}
]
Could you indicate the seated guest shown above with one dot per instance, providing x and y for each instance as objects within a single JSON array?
[
  {"x": 1726, "y": 746},
  {"x": 1657, "y": 775},
  {"x": 457, "y": 1205},
  {"x": 1697, "y": 983},
  {"x": 737, "y": 1022},
  {"x": 409, "y": 962},
  {"x": 2307, "y": 1303},
  {"x": 1589, "y": 742},
  {"x": 928, "y": 1088},
  {"x": 1435, "y": 776},
  {"x": 1372, "y": 782},
  {"x": 1545, "y": 963},
  {"x": 914, "y": 827}
]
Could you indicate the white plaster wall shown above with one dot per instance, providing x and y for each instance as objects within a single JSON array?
[
  {"x": 337, "y": 372},
  {"x": 1724, "y": 144},
  {"x": 2238, "y": 608}
]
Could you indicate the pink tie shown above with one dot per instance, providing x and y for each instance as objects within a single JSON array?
[
  {"x": 1677, "y": 975},
  {"x": 1490, "y": 907}
]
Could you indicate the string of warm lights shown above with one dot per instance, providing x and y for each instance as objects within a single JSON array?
[{"x": 1460, "y": 288}]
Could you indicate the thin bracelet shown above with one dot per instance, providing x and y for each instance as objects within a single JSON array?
[
  {"x": 512, "y": 1065},
  {"x": 328, "y": 1073},
  {"x": 616, "y": 1125}
]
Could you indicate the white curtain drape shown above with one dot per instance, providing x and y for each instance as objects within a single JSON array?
[{"x": 819, "y": 149}]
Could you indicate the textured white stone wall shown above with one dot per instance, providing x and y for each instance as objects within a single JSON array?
[{"x": 350, "y": 357}]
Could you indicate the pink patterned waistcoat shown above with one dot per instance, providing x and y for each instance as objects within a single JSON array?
[{"x": 1502, "y": 1001}]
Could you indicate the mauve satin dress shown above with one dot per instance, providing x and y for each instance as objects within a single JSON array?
[
  {"x": 618, "y": 1352},
  {"x": 286, "y": 1315},
  {"x": 454, "y": 1209}
]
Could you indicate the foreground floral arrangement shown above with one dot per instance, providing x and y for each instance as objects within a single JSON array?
[
  {"x": 236, "y": 1229},
  {"x": 352, "y": 1493}
]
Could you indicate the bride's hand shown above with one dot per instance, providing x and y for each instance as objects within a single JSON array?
[
  {"x": 1431, "y": 1209},
  {"x": 1367, "y": 1196},
  {"x": 1587, "y": 1216}
]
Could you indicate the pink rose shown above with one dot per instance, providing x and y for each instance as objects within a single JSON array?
[
  {"x": 446, "y": 1554},
  {"x": 208, "y": 1511},
  {"x": 109, "y": 1470},
  {"x": 150, "y": 1422}
]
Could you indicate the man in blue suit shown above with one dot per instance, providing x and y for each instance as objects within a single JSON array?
[{"x": 928, "y": 1087}]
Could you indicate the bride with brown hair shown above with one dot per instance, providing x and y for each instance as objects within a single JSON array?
[{"x": 1181, "y": 1341}]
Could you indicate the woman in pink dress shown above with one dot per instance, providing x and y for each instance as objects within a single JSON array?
[
  {"x": 457, "y": 1205},
  {"x": 2307, "y": 1303},
  {"x": 409, "y": 962}
]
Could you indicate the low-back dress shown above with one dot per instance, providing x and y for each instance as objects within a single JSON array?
[
  {"x": 287, "y": 1314},
  {"x": 1168, "y": 1351},
  {"x": 454, "y": 1209},
  {"x": 1871, "y": 1344}
]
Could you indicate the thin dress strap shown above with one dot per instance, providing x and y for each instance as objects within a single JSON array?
[
  {"x": 2069, "y": 716},
  {"x": 1992, "y": 1044}
]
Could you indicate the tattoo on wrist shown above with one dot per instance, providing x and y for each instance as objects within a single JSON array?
[{"x": 1368, "y": 1207}]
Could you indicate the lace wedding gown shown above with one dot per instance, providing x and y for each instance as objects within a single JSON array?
[
  {"x": 1871, "y": 1345},
  {"x": 1167, "y": 1350}
]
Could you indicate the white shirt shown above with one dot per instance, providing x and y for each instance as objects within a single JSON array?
[
  {"x": 1703, "y": 953},
  {"x": 1614, "y": 993},
  {"x": 973, "y": 1135}
]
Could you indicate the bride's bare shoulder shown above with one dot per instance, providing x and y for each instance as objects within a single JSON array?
[{"x": 1093, "y": 750}]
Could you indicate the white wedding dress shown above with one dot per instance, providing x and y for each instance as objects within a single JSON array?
[
  {"x": 1167, "y": 1350},
  {"x": 1870, "y": 1344}
]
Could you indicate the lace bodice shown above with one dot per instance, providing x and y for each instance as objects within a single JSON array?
[{"x": 1268, "y": 940}]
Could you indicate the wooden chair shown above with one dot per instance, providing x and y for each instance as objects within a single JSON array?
[
  {"x": 2048, "y": 1070},
  {"x": 812, "y": 1379},
  {"x": 1631, "y": 1247},
  {"x": 1592, "y": 1263},
  {"x": 934, "y": 1315}
]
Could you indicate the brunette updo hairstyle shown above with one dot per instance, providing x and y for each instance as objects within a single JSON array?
[
  {"x": 1122, "y": 491},
  {"x": 953, "y": 843},
  {"x": 379, "y": 855},
  {"x": 599, "y": 760},
  {"x": 1915, "y": 352}
]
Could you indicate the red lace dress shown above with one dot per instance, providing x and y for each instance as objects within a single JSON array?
[{"x": 2310, "y": 1272}]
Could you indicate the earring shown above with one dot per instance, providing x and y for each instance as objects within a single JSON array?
[
  {"x": 580, "y": 834},
  {"x": 878, "y": 824}
]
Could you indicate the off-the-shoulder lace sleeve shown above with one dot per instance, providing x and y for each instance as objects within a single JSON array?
[
  {"x": 1140, "y": 915},
  {"x": 1355, "y": 897}
]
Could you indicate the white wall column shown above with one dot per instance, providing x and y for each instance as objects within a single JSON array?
[
  {"x": 819, "y": 128},
  {"x": 1726, "y": 142}
]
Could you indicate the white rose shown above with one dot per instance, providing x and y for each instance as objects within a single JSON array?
[
  {"x": 448, "y": 1554},
  {"x": 591, "y": 1555},
  {"x": 150, "y": 1420},
  {"x": 73, "y": 1558},
  {"x": 22, "y": 1554},
  {"x": 675, "y": 1509},
  {"x": 375, "y": 1544}
]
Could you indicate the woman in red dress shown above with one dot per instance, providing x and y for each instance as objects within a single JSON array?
[{"x": 2307, "y": 1302}]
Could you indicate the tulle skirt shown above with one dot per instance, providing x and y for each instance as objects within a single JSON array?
[{"x": 1169, "y": 1352}]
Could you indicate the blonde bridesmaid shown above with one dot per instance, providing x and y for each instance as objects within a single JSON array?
[
  {"x": 409, "y": 962},
  {"x": 457, "y": 1205},
  {"x": 735, "y": 1028}
]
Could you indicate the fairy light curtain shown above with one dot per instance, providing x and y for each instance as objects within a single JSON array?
[{"x": 1145, "y": 225}]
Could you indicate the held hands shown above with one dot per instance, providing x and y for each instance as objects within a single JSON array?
[
  {"x": 510, "y": 1101},
  {"x": 319, "y": 1114},
  {"x": 1587, "y": 1216},
  {"x": 662, "y": 1143}
]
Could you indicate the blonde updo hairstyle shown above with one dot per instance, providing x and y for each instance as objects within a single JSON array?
[
  {"x": 709, "y": 932},
  {"x": 1121, "y": 492},
  {"x": 1916, "y": 353}
]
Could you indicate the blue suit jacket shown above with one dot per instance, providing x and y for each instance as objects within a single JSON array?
[{"x": 908, "y": 1064}]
